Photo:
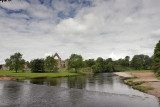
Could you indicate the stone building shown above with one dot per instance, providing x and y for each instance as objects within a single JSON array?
[
  {"x": 3, "y": 67},
  {"x": 61, "y": 63}
]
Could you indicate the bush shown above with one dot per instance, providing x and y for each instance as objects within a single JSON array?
[
  {"x": 37, "y": 65},
  {"x": 158, "y": 73}
]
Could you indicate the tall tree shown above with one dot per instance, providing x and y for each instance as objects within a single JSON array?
[
  {"x": 99, "y": 65},
  {"x": 156, "y": 58},
  {"x": 127, "y": 61},
  {"x": 51, "y": 64},
  {"x": 75, "y": 61},
  {"x": 141, "y": 62},
  {"x": 15, "y": 62},
  {"x": 136, "y": 62}
]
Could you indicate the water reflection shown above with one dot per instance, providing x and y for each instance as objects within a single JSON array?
[
  {"x": 104, "y": 90},
  {"x": 103, "y": 82}
]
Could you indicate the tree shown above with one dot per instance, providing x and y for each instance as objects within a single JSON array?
[
  {"x": 75, "y": 61},
  {"x": 100, "y": 65},
  {"x": 148, "y": 61},
  {"x": 89, "y": 62},
  {"x": 37, "y": 65},
  {"x": 136, "y": 62},
  {"x": 51, "y": 64},
  {"x": 28, "y": 64},
  {"x": 127, "y": 61},
  {"x": 141, "y": 62},
  {"x": 156, "y": 58},
  {"x": 15, "y": 62},
  {"x": 0, "y": 66}
]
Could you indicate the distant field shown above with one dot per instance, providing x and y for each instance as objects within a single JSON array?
[
  {"x": 139, "y": 71},
  {"x": 35, "y": 75}
]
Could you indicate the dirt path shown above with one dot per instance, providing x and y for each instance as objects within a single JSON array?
[
  {"x": 149, "y": 77},
  {"x": 144, "y": 76}
]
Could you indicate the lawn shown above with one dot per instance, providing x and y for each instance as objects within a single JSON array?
[
  {"x": 35, "y": 75},
  {"x": 139, "y": 71}
]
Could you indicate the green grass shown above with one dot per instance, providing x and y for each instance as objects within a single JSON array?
[
  {"x": 158, "y": 78},
  {"x": 133, "y": 83},
  {"x": 131, "y": 79},
  {"x": 139, "y": 71},
  {"x": 21, "y": 75},
  {"x": 142, "y": 88}
]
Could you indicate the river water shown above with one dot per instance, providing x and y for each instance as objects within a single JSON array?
[{"x": 100, "y": 90}]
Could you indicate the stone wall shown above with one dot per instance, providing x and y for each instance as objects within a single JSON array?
[{"x": 4, "y": 67}]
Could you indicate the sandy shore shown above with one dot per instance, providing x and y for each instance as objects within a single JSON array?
[
  {"x": 5, "y": 78},
  {"x": 149, "y": 77}
]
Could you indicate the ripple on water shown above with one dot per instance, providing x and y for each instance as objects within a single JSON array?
[{"x": 27, "y": 94}]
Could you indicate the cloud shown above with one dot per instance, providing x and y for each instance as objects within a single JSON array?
[
  {"x": 156, "y": 32},
  {"x": 15, "y": 5},
  {"x": 92, "y": 28},
  {"x": 128, "y": 20},
  {"x": 71, "y": 27}
]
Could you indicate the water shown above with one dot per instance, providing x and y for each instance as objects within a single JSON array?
[{"x": 101, "y": 90}]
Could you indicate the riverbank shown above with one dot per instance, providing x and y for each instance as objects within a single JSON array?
[
  {"x": 146, "y": 79},
  {"x": 12, "y": 75}
]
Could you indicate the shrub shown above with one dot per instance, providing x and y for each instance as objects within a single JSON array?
[{"x": 37, "y": 65}]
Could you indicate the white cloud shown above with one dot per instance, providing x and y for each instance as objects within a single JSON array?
[
  {"x": 71, "y": 27},
  {"x": 15, "y": 5},
  {"x": 156, "y": 32},
  {"x": 128, "y": 20},
  {"x": 109, "y": 28}
]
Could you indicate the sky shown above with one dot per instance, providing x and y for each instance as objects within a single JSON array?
[{"x": 92, "y": 28}]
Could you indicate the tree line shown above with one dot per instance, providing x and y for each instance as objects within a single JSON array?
[
  {"x": 16, "y": 62},
  {"x": 76, "y": 62}
]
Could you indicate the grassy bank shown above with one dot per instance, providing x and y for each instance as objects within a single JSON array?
[
  {"x": 142, "y": 88},
  {"x": 137, "y": 84},
  {"x": 21, "y": 75}
]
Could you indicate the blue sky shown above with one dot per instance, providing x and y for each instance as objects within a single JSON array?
[{"x": 92, "y": 28}]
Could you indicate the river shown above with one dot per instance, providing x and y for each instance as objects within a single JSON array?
[{"x": 100, "y": 90}]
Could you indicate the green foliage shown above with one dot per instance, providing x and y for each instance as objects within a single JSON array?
[
  {"x": 108, "y": 65},
  {"x": 133, "y": 83},
  {"x": 75, "y": 61},
  {"x": 99, "y": 65},
  {"x": 0, "y": 66},
  {"x": 139, "y": 62},
  {"x": 89, "y": 63},
  {"x": 15, "y": 62},
  {"x": 156, "y": 58},
  {"x": 127, "y": 58},
  {"x": 37, "y": 65},
  {"x": 51, "y": 64},
  {"x": 143, "y": 88},
  {"x": 28, "y": 64}
]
